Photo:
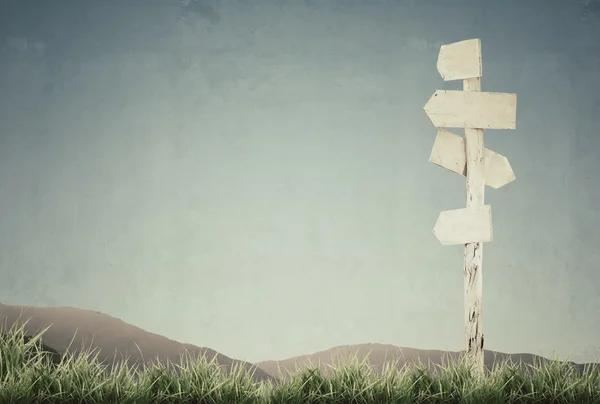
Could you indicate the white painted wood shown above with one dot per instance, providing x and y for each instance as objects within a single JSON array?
[
  {"x": 460, "y": 60},
  {"x": 473, "y": 259},
  {"x": 497, "y": 169},
  {"x": 461, "y": 226},
  {"x": 466, "y": 109},
  {"x": 449, "y": 152},
  {"x": 474, "y": 111}
]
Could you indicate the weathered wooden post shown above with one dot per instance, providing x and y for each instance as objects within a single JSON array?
[{"x": 474, "y": 111}]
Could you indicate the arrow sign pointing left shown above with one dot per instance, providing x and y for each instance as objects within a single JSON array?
[
  {"x": 463, "y": 226},
  {"x": 460, "y": 60},
  {"x": 472, "y": 109}
]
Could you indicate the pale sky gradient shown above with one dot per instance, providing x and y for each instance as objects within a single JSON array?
[{"x": 253, "y": 176}]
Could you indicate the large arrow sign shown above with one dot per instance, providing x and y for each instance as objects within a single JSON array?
[
  {"x": 470, "y": 109},
  {"x": 449, "y": 152}
]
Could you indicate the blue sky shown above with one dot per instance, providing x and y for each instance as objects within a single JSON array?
[{"x": 254, "y": 177}]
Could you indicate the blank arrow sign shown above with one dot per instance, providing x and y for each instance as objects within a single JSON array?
[
  {"x": 471, "y": 109},
  {"x": 460, "y": 60},
  {"x": 449, "y": 152},
  {"x": 463, "y": 226}
]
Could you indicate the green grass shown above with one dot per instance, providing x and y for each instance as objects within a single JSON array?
[{"x": 30, "y": 378}]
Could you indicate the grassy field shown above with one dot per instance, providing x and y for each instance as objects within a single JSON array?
[{"x": 33, "y": 378}]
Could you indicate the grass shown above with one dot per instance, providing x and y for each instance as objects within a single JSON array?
[{"x": 26, "y": 376}]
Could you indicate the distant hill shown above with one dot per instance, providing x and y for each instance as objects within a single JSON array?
[
  {"x": 377, "y": 355},
  {"x": 113, "y": 337}
]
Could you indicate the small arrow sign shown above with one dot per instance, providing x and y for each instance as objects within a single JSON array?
[
  {"x": 470, "y": 109},
  {"x": 460, "y": 60},
  {"x": 449, "y": 152},
  {"x": 463, "y": 226}
]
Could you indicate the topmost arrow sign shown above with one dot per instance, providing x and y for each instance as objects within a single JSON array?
[{"x": 460, "y": 60}]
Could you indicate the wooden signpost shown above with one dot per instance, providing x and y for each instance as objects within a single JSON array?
[
  {"x": 471, "y": 109},
  {"x": 463, "y": 226},
  {"x": 474, "y": 111},
  {"x": 449, "y": 152}
]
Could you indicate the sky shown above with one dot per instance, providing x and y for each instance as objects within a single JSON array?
[{"x": 253, "y": 177}]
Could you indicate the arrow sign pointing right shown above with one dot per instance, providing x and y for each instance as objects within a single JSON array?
[
  {"x": 471, "y": 109},
  {"x": 449, "y": 152},
  {"x": 463, "y": 226}
]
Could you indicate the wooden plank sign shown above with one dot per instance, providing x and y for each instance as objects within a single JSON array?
[
  {"x": 471, "y": 109},
  {"x": 463, "y": 226},
  {"x": 460, "y": 60},
  {"x": 449, "y": 152}
]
